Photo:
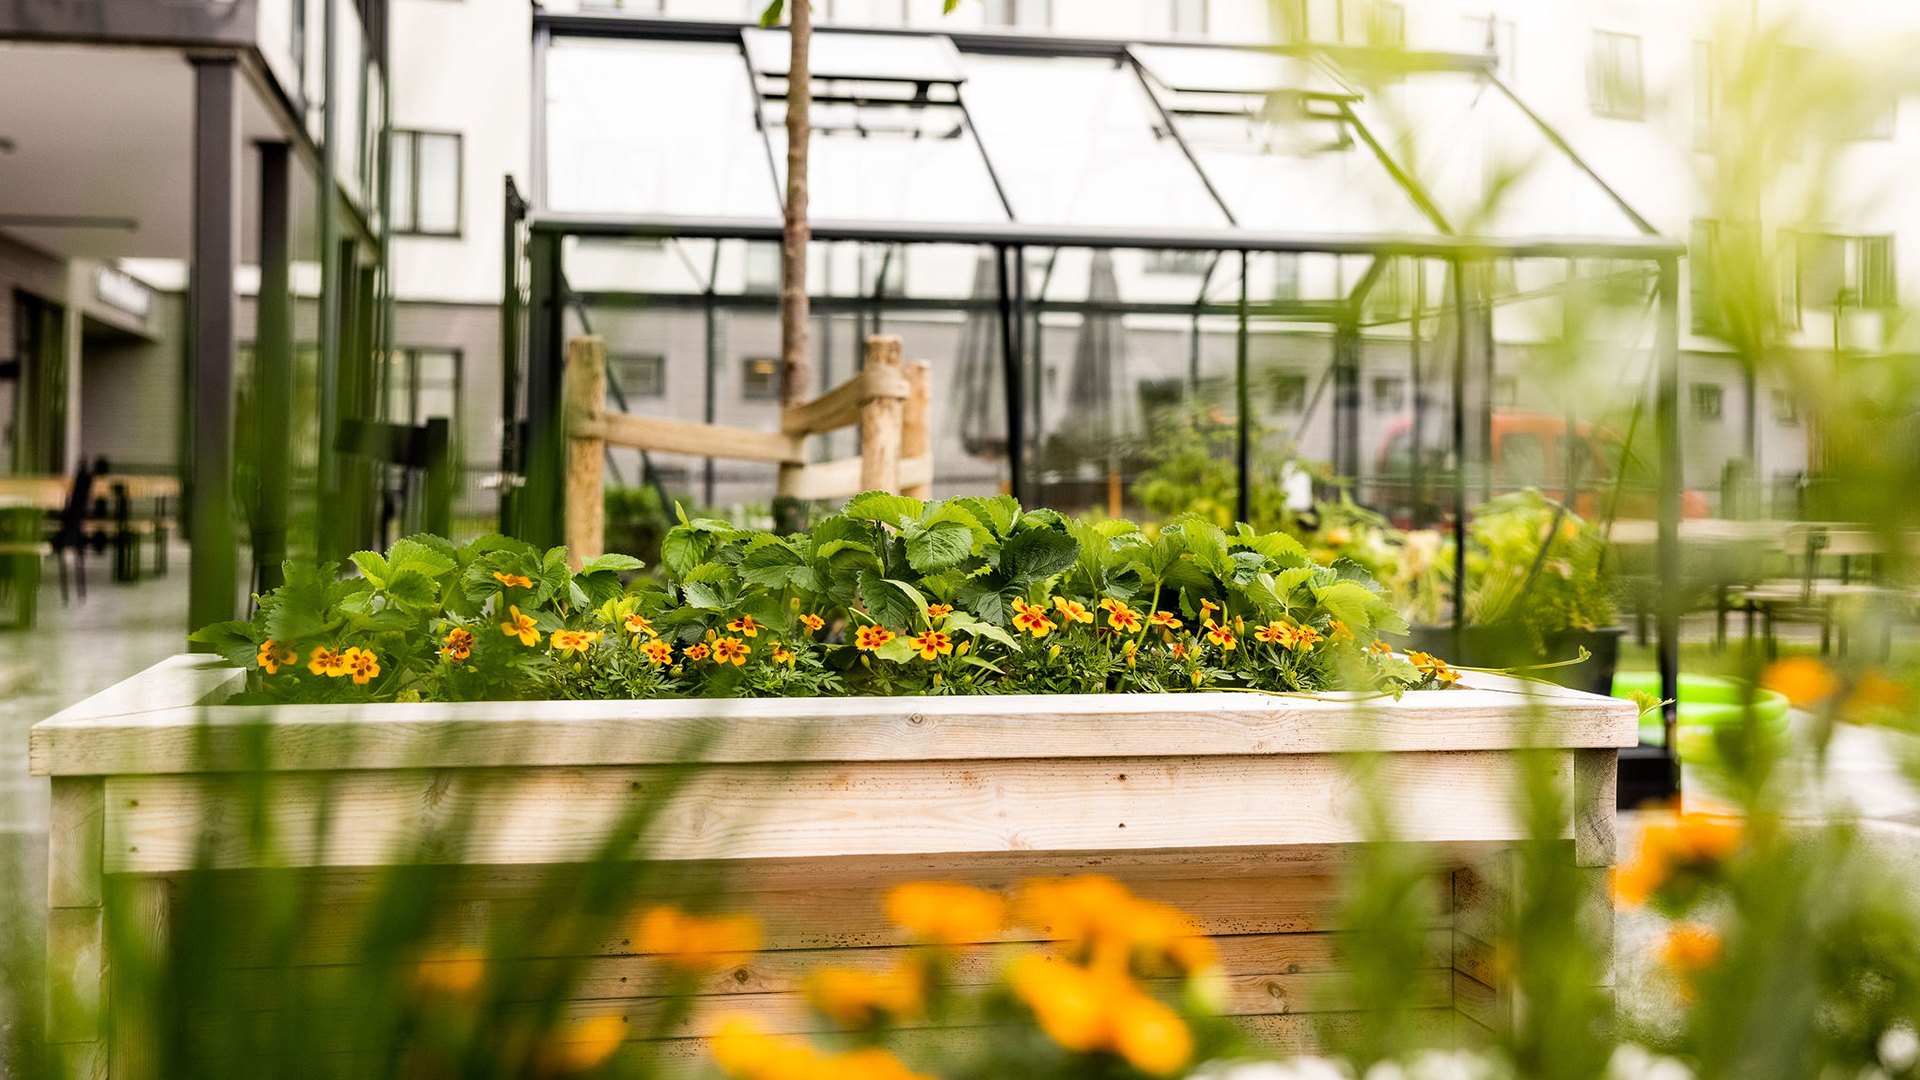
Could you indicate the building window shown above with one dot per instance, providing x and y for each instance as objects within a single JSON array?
[
  {"x": 1389, "y": 393},
  {"x": 1289, "y": 391},
  {"x": 1709, "y": 400},
  {"x": 638, "y": 375},
  {"x": 1786, "y": 409},
  {"x": 426, "y": 183},
  {"x": 1615, "y": 86},
  {"x": 1830, "y": 271},
  {"x": 1706, "y": 95},
  {"x": 1286, "y": 277},
  {"x": 1177, "y": 17},
  {"x": 763, "y": 267},
  {"x": 760, "y": 380},
  {"x": 1025, "y": 14},
  {"x": 424, "y": 383},
  {"x": 1388, "y": 28},
  {"x": 1190, "y": 263}
]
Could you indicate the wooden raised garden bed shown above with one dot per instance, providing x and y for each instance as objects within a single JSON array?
[{"x": 1234, "y": 807}]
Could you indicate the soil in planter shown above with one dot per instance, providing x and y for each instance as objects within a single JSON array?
[{"x": 1510, "y": 647}]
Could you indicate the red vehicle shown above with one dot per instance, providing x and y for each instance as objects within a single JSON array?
[{"x": 1530, "y": 450}]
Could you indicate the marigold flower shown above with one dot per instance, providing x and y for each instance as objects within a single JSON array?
[
  {"x": 744, "y": 1049},
  {"x": 812, "y": 622},
  {"x": 520, "y": 626},
  {"x": 698, "y": 653},
  {"x": 658, "y": 651},
  {"x": 1380, "y": 648},
  {"x": 1121, "y": 617},
  {"x": 695, "y": 943},
  {"x": 450, "y": 971},
  {"x": 275, "y": 655},
  {"x": 1272, "y": 634},
  {"x": 512, "y": 581},
  {"x": 1084, "y": 1010},
  {"x": 946, "y": 912},
  {"x": 872, "y": 637},
  {"x": 783, "y": 656},
  {"x": 1303, "y": 637},
  {"x": 325, "y": 661},
  {"x": 1071, "y": 611},
  {"x": 1179, "y": 650},
  {"x": 730, "y": 650},
  {"x": 638, "y": 624},
  {"x": 1804, "y": 680},
  {"x": 1434, "y": 666},
  {"x": 938, "y": 612},
  {"x": 931, "y": 644},
  {"x": 1224, "y": 638},
  {"x": 1164, "y": 618},
  {"x": 1690, "y": 946},
  {"x": 1338, "y": 633},
  {"x": 745, "y": 626},
  {"x": 1032, "y": 618},
  {"x": 1098, "y": 916},
  {"x": 574, "y": 641},
  {"x": 1151, "y": 1036},
  {"x": 585, "y": 1045},
  {"x": 1684, "y": 842},
  {"x": 857, "y": 999},
  {"x": 458, "y": 644},
  {"x": 362, "y": 665}
]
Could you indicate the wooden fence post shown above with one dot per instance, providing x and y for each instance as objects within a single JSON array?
[
  {"x": 584, "y": 394},
  {"x": 880, "y": 423},
  {"x": 916, "y": 432}
]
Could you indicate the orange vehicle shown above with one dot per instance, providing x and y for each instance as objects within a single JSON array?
[{"x": 1530, "y": 450}]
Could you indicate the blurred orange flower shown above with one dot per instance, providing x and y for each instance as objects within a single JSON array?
[
  {"x": 696, "y": 942},
  {"x": 450, "y": 971},
  {"x": 1084, "y": 1010},
  {"x": 1804, "y": 680},
  {"x": 1676, "y": 843},
  {"x": 585, "y": 1045},
  {"x": 857, "y": 999},
  {"x": 946, "y": 912}
]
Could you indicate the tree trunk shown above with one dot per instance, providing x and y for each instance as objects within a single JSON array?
[{"x": 796, "y": 373}]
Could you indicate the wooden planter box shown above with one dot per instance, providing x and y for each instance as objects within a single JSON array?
[{"x": 1233, "y": 806}]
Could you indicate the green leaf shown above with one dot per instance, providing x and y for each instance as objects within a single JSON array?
[
  {"x": 614, "y": 562},
  {"x": 1350, "y": 603},
  {"x": 417, "y": 553},
  {"x": 232, "y": 640},
  {"x": 998, "y": 513},
  {"x": 372, "y": 567},
  {"x": 770, "y": 565},
  {"x": 413, "y": 589},
  {"x": 885, "y": 507},
  {"x": 899, "y": 650},
  {"x": 703, "y": 596},
  {"x": 1274, "y": 545},
  {"x": 963, "y": 623},
  {"x": 938, "y": 546},
  {"x": 771, "y": 16},
  {"x": 894, "y": 604},
  {"x": 1035, "y": 554}
]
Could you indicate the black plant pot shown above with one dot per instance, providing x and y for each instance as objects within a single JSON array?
[{"x": 1510, "y": 647}]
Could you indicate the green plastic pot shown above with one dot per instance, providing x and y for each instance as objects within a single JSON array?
[{"x": 1707, "y": 702}]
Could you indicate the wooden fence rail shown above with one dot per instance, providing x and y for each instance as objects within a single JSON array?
[{"x": 888, "y": 400}]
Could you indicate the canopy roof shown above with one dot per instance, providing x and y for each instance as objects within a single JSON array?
[{"x": 663, "y": 127}]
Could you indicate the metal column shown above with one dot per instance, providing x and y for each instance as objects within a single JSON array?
[
  {"x": 273, "y": 367},
  {"x": 1346, "y": 399},
  {"x": 1012, "y": 374},
  {"x": 210, "y": 329},
  {"x": 1667, "y": 421},
  {"x": 1459, "y": 451},
  {"x": 539, "y": 507},
  {"x": 1243, "y": 407}
]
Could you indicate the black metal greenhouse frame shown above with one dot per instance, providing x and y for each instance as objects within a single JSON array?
[{"x": 534, "y": 446}]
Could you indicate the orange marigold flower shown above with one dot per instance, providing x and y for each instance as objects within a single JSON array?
[
  {"x": 812, "y": 622},
  {"x": 931, "y": 644},
  {"x": 1689, "y": 947},
  {"x": 745, "y": 1050},
  {"x": 783, "y": 656},
  {"x": 1303, "y": 637},
  {"x": 1338, "y": 633},
  {"x": 1125, "y": 619},
  {"x": 1151, "y": 1036},
  {"x": 1804, "y": 680},
  {"x": 730, "y": 650},
  {"x": 1085, "y": 1010},
  {"x": 1164, "y": 618},
  {"x": 1032, "y": 618},
  {"x": 872, "y": 637},
  {"x": 857, "y": 999},
  {"x": 658, "y": 651},
  {"x": 362, "y": 665},
  {"x": 1433, "y": 666},
  {"x": 458, "y": 644},
  {"x": 574, "y": 641},
  {"x": 1071, "y": 611},
  {"x": 638, "y": 624},
  {"x": 1380, "y": 648},
  {"x": 520, "y": 626},
  {"x": 938, "y": 612},
  {"x": 1179, "y": 649},
  {"x": 1224, "y": 638},
  {"x": 695, "y": 942},
  {"x": 275, "y": 655},
  {"x": 450, "y": 971},
  {"x": 512, "y": 580},
  {"x": 1273, "y": 634},
  {"x": 327, "y": 662},
  {"x": 946, "y": 912},
  {"x": 584, "y": 1045},
  {"x": 1682, "y": 842},
  {"x": 745, "y": 626},
  {"x": 698, "y": 653}
]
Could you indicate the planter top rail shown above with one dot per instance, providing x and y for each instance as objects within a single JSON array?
[{"x": 170, "y": 719}]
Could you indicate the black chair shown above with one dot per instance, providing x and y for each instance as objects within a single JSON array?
[{"x": 70, "y": 530}]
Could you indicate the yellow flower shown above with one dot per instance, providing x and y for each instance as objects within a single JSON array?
[
  {"x": 450, "y": 971},
  {"x": 512, "y": 580},
  {"x": 1804, "y": 680},
  {"x": 730, "y": 650},
  {"x": 274, "y": 656},
  {"x": 783, "y": 655},
  {"x": 459, "y": 644},
  {"x": 1272, "y": 634},
  {"x": 636, "y": 624},
  {"x": 1032, "y": 618},
  {"x": 1165, "y": 619},
  {"x": 362, "y": 665},
  {"x": 1680, "y": 843},
  {"x": 931, "y": 644},
  {"x": 872, "y": 637},
  {"x": 659, "y": 652},
  {"x": 869, "y": 1063},
  {"x": 937, "y": 612},
  {"x": 1094, "y": 915},
  {"x": 1434, "y": 666},
  {"x": 1151, "y": 1036},
  {"x": 1338, "y": 633},
  {"x": 574, "y": 641},
  {"x": 745, "y": 626},
  {"x": 946, "y": 912},
  {"x": 327, "y": 662},
  {"x": 812, "y": 622},
  {"x": 697, "y": 653},
  {"x": 1223, "y": 637},
  {"x": 1690, "y": 946},
  {"x": 1380, "y": 648},
  {"x": 520, "y": 626},
  {"x": 745, "y": 1050},
  {"x": 585, "y": 1045},
  {"x": 1071, "y": 612},
  {"x": 696, "y": 942},
  {"x": 1121, "y": 617},
  {"x": 857, "y": 999},
  {"x": 1085, "y": 1010}
]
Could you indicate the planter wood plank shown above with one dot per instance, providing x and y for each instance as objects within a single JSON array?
[{"x": 1235, "y": 807}]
